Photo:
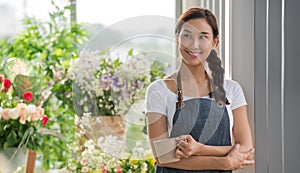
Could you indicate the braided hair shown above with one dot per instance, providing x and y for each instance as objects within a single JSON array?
[
  {"x": 216, "y": 77},
  {"x": 214, "y": 62}
]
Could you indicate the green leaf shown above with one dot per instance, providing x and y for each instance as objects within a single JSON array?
[
  {"x": 11, "y": 138},
  {"x": 130, "y": 52},
  {"x": 58, "y": 52}
]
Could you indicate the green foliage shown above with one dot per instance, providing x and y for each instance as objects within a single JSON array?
[
  {"x": 157, "y": 70},
  {"x": 48, "y": 47},
  {"x": 14, "y": 134}
]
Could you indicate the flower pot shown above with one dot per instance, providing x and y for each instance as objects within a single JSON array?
[
  {"x": 12, "y": 159},
  {"x": 112, "y": 125}
]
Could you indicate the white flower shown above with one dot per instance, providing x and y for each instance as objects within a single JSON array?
[
  {"x": 84, "y": 169},
  {"x": 13, "y": 113},
  {"x": 83, "y": 161},
  {"x": 31, "y": 108},
  {"x": 77, "y": 119},
  {"x": 63, "y": 170},
  {"x": 112, "y": 146}
]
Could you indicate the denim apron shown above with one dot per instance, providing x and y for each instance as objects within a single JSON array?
[{"x": 205, "y": 120}]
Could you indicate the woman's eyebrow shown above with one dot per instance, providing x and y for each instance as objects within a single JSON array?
[{"x": 204, "y": 32}]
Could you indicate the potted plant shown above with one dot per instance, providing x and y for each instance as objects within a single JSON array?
[{"x": 108, "y": 87}]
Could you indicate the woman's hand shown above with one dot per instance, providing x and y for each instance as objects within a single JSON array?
[
  {"x": 187, "y": 146},
  {"x": 237, "y": 159}
]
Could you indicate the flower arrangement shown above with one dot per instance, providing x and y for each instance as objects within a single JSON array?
[
  {"x": 19, "y": 118},
  {"x": 106, "y": 154},
  {"x": 104, "y": 85}
]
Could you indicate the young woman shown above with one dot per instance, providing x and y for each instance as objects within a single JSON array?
[{"x": 205, "y": 113}]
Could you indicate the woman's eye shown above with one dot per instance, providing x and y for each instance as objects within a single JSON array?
[
  {"x": 203, "y": 37},
  {"x": 186, "y": 36}
]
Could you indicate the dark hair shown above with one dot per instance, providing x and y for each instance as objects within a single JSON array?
[{"x": 214, "y": 63}]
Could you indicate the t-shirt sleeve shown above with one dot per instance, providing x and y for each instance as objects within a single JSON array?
[
  {"x": 155, "y": 99},
  {"x": 237, "y": 96}
]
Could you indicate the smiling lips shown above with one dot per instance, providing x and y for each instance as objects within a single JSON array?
[{"x": 193, "y": 54}]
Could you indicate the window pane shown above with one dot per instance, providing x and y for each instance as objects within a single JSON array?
[{"x": 142, "y": 25}]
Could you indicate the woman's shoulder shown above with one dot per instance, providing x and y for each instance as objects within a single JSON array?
[
  {"x": 228, "y": 83},
  {"x": 158, "y": 85},
  {"x": 231, "y": 86},
  {"x": 234, "y": 93}
]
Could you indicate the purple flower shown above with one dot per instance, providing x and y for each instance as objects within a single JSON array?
[
  {"x": 135, "y": 83},
  {"x": 67, "y": 94},
  {"x": 104, "y": 78},
  {"x": 104, "y": 84},
  {"x": 141, "y": 84}
]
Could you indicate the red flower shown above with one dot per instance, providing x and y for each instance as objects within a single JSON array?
[
  {"x": 28, "y": 96},
  {"x": 6, "y": 83},
  {"x": 44, "y": 119},
  {"x": 104, "y": 170},
  {"x": 118, "y": 170}
]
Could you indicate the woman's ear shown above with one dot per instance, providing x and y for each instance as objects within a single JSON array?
[{"x": 216, "y": 42}]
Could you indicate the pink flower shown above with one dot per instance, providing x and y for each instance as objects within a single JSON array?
[
  {"x": 40, "y": 111},
  {"x": 23, "y": 119},
  {"x": 35, "y": 116},
  {"x": 22, "y": 108},
  {"x": 6, "y": 83},
  {"x": 28, "y": 96},
  {"x": 6, "y": 114},
  {"x": 44, "y": 119},
  {"x": 118, "y": 170},
  {"x": 103, "y": 169},
  {"x": 63, "y": 170}
]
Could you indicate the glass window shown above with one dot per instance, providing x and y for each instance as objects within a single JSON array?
[{"x": 142, "y": 25}]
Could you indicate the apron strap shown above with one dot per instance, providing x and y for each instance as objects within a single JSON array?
[{"x": 180, "y": 103}]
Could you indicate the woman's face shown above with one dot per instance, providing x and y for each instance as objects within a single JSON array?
[{"x": 195, "y": 41}]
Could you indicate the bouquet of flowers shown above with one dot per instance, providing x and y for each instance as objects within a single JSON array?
[
  {"x": 19, "y": 118},
  {"x": 104, "y": 85}
]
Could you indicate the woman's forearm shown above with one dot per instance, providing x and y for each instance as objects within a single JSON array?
[
  {"x": 209, "y": 150},
  {"x": 200, "y": 163}
]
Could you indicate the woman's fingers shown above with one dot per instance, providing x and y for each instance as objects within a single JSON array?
[
  {"x": 188, "y": 145},
  {"x": 180, "y": 154},
  {"x": 248, "y": 162},
  {"x": 249, "y": 155},
  {"x": 239, "y": 159},
  {"x": 182, "y": 137},
  {"x": 184, "y": 147}
]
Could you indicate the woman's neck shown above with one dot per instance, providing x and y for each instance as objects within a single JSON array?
[{"x": 195, "y": 73}]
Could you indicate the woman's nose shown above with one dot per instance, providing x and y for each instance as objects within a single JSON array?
[{"x": 195, "y": 44}]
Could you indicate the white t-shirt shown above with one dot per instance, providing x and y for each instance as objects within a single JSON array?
[{"x": 161, "y": 100}]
